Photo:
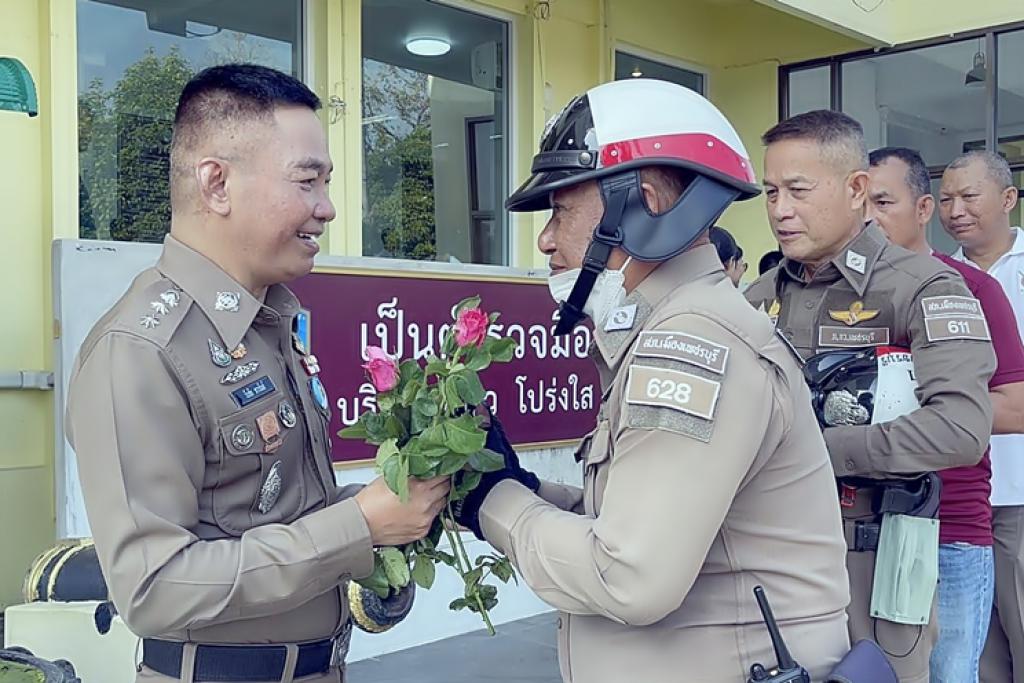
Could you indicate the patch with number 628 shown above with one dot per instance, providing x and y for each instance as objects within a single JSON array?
[{"x": 672, "y": 389}]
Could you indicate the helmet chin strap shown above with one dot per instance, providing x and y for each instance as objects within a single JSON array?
[{"x": 607, "y": 236}]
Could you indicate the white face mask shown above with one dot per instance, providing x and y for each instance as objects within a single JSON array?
[{"x": 608, "y": 292}]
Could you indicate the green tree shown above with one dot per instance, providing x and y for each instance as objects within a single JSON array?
[
  {"x": 125, "y": 137},
  {"x": 398, "y": 161}
]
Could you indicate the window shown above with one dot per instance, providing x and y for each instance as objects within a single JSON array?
[
  {"x": 435, "y": 143},
  {"x": 134, "y": 56},
  {"x": 809, "y": 90},
  {"x": 629, "y": 65},
  {"x": 937, "y": 120}
]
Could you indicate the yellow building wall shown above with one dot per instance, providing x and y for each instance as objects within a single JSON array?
[{"x": 26, "y": 425}]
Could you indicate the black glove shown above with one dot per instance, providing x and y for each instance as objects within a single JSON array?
[
  {"x": 467, "y": 510},
  {"x": 375, "y": 615}
]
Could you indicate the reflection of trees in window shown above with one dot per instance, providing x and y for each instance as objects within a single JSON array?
[
  {"x": 399, "y": 200},
  {"x": 124, "y": 138}
]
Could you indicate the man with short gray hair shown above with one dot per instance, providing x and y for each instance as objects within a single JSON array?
[
  {"x": 845, "y": 295},
  {"x": 975, "y": 202}
]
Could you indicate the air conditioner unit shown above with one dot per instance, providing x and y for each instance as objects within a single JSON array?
[{"x": 485, "y": 65}]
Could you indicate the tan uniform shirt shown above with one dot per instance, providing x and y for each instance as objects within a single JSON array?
[
  {"x": 207, "y": 477},
  {"x": 705, "y": 477},
  {"x": 877, "y": 294}
]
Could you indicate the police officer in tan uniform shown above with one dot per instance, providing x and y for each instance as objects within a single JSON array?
[
  {"x": 706, "y": 474},
  {"x": 200, "y": 422},
  {"x": 842, "y": 285}
]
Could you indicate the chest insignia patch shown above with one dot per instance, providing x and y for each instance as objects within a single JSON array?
[{"x": 856, "y": 313}]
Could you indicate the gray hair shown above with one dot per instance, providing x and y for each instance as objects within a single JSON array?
[
  {"x": 995, "y": 165},
  {"x": 838, "y": 135}
]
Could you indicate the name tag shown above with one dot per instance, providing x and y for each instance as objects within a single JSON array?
[
  {"x": 253, "y": 391},
  {"x": 672, "y": 389},
  {"x": 832, "y": 335},
  {"x": 683, "y": 347}
]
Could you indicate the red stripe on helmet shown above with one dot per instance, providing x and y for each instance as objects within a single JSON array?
[{"x": 697, "y": 148}]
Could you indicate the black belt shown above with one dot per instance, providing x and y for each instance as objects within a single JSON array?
[{"x": 236, "y": 662}]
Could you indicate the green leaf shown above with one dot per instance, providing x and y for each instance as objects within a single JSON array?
[
  {"x": 394, "y": 428},
  {"x": 465, "y": 304},
  {"x": 375, "y": 428},
  {"x": 410, "y": 390},
  {"x": 419, "y": 466},
  {"x": 503, "y": 570},
  {"x": 450, "y": 464},
  {"x": 435, "y": 452},
  {"x": 436, "y": 367},
  {"x": 409, "y": 370},
  {"x": 479, "y": 360},
  {"x": 419, "y": 421},
  {"x": 488, "y": 592},
  {"x": 423, "y": 572},
  {"x": 470, "y": 390},
  {"x": 447, "y": 558},
  {"x": 396, "y": 566},
  {"x": 471, "y": 579},
  {"x": 501, "y": 350},
  {"x": 486, "y": 460},
  {"x": 425, "y": 404},
  {"x": 392, "y": 471},
  {"x": 356, "y": 431},
  {"x": 403, "y": 479},
  {"x": 464, "y": 435},
  {"x": 377, "y": 581},
  {"x": 470, "y": 480},
  {"x": 493, "y": 317},
  {"x": 457, "y": 604},
  {"x": 436, "y": 435},
  {"x": 385, "y": 451},
  {"x": 386, "y": 401},
  {"x": 450, "y": 393}
]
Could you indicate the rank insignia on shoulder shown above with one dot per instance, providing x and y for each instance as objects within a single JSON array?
[
  {"x": 227, "y": 301},
  {"x": 856, "y": 262},
  {"x": 149, "y": 321},
  {"x": 621, "y": 318},
  {"x": 856, "y": 313}
]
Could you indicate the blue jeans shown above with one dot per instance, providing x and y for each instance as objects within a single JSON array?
[{"x": 966, "y": 584}]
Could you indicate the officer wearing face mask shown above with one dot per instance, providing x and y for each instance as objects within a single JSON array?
[{"x": 706, "y": 473}]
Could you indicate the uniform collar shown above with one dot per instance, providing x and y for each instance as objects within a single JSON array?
[
  {"x": 854, "y": 263},
  {"x": 662, "y": 281},
  {"x": 216, "y": 292}
]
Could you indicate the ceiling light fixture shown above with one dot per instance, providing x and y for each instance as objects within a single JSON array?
[
  {"x": 976, "y": 76},
  {"x": 637, "y": 73},
  {"x": 428, "y": 47}
]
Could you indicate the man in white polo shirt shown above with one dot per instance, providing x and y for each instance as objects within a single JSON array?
[{"x": 975, "y": 202}]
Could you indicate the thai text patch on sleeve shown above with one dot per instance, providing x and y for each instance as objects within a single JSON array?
[
  {"x": 954, "y": 317},
  {"x": 680, "y": 391}
]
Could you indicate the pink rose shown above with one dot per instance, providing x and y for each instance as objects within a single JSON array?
[
  {"x": 471, "y": 327},
  {"x": 382, "y": 368}
]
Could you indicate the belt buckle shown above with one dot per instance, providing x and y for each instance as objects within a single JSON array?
[{"x": 340, "y": 646}]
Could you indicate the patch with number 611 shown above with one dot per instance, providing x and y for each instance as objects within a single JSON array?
[{"x": 672, "y": 389}]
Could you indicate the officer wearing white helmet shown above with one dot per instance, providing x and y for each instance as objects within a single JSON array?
[{"x": 706, "y": 474}]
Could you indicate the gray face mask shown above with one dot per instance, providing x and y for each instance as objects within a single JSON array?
[{"x": 608, "y": 292}]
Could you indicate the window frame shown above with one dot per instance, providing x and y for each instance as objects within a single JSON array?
[{"x": 633, "y": 50}]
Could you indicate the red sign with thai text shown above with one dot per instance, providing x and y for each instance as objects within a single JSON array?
[{"x": 548, "y": 393}]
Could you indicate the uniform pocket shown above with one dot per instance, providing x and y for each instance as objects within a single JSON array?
[{"x": 260, "y": 479}]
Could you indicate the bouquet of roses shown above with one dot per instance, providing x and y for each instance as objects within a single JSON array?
[{"x": 425, "y": 427}]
